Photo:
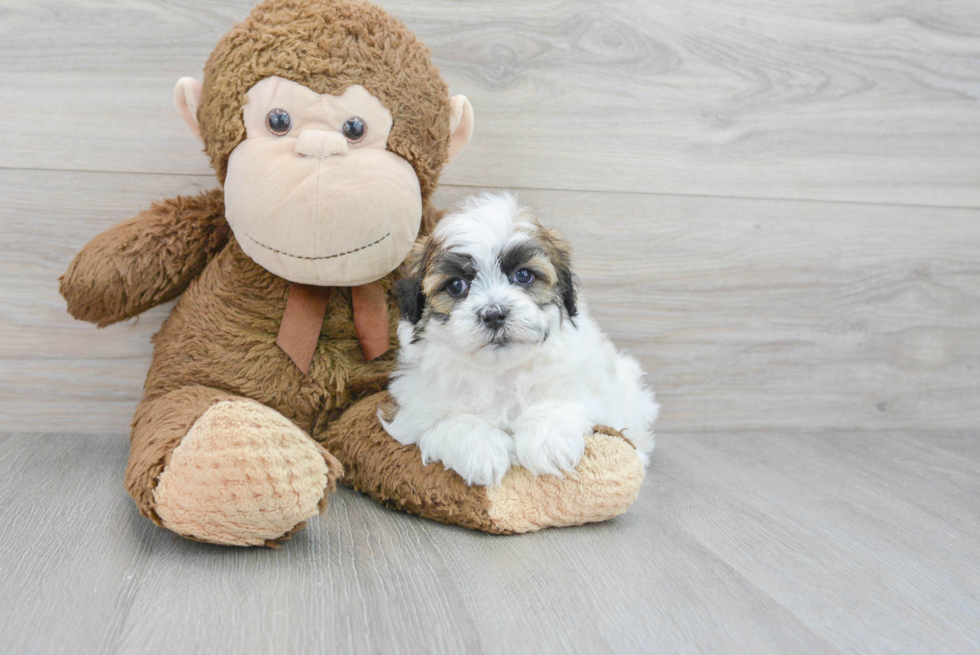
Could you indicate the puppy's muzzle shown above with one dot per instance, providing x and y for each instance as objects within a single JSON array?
[{"x": 494, "y": 316}]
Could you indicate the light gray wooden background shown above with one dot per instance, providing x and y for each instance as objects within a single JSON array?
[{"x": 775, "y": 205}]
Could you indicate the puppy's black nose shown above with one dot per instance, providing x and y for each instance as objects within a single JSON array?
[{"x": 494, "y": 317}]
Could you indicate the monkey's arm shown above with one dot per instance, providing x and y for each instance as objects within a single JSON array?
[{"x": 147, "y": 260}]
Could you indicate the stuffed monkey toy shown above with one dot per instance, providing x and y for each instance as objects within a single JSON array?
[{"x": 327, "y": 125}]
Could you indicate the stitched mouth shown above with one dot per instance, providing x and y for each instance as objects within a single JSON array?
[{"x": 334, "y": 256}]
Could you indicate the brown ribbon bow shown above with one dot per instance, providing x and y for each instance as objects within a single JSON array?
[{"x": 302, "y": 321}]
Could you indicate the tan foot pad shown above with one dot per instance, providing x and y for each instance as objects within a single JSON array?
[
  {"x": 608, "y": 480},
  {"x": 606, "y": 483},
  {"x": 244, "y": 475}
]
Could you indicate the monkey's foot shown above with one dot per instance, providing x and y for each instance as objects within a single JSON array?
[
  {"x": 605, "y": 483},
  {"x": 243, "y": 475}
]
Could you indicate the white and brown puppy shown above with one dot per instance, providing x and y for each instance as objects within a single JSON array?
[{"x": 500, "y": 362}]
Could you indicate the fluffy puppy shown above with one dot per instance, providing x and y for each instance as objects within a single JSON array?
[{"x": 500, "y": 362}]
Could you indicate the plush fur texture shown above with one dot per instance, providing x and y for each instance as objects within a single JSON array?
[
  {"x": 147, "y": 260},
  {"x": 605, "y": 484},
  {"x": 329, "y": 45},
  {"x": 220, "y": 342},
  {"x": 607, "y": 481},
  {"x": 233, "y": 479},
  {"x": 500, "y": 362},
  {"x": 218, "y": 345},
  {"x": 222, "y": 443},
  {"x": 308, "y": 204}
]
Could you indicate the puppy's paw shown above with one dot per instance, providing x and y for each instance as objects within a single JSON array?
[
  {"x": 550, "y": 447},
  {"x": 480, "y": 453},
  {"x": 482, "y": 460}
]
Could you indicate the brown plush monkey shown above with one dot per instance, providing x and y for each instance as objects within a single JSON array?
[{"x": 327, "y": 125}]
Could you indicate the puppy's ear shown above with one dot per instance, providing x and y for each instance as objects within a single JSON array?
[
  {"x": 410, "y": 298},
  {"x": 567, "y": 284},
  {"x": 560, "y": 254}
]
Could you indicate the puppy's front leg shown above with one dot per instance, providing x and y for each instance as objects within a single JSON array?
[
  {"x": 467, "y": 444},
  {"x": 549, "y": 437}
]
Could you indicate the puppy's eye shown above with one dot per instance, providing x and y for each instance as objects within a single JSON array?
[
  {"x": 278, "y": 122},
  {"x": 524, "y": 277},
  {"x": 456, "y": 287},
  {"x": 354, "y": 129}
]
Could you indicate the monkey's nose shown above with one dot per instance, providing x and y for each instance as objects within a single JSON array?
[
  {"x": 493, "y": 317},
  {"x": 321, "y": 143}
]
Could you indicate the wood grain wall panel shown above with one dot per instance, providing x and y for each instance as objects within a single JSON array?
[
  {"x": 868, "y": 102},
  {"x": 748, "y": 314}
]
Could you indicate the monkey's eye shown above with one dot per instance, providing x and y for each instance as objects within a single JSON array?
[
  {"x": 278, "y": 122},
  {"x": 456, "y": 287},
  {"x": 354, "y": 129},
  {"x": 524, "y": 277}
]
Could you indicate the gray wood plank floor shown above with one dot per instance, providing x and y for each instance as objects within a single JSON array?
[
  {"x": 764, "y": 542},
  {"x": 776, "y": 207}
]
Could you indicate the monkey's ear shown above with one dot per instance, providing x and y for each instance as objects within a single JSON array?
[
  {"x": 460, "y": 125},
  {"x": 187, "y": 97}
]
